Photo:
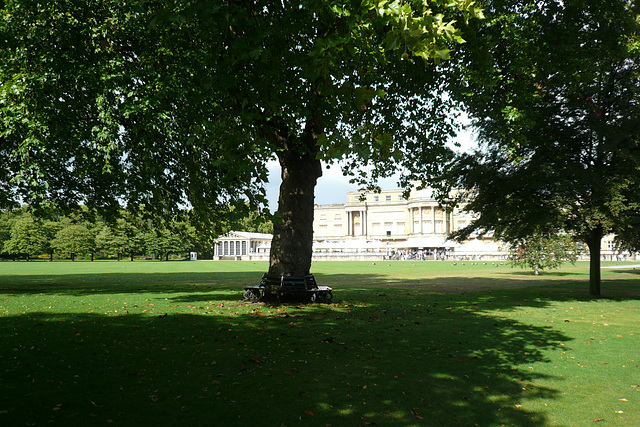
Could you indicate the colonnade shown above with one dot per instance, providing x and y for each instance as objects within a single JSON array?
[
  {"x": 231, "y": 248},
  {"x": 439, "y": 218},
  {"x": 357, "y": 227},
  {"x": 423, "y": 220}
]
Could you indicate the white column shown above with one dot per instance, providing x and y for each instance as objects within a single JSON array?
[
  {"x": 433, "y": 209},
  {"x": 413, "y": 221}
]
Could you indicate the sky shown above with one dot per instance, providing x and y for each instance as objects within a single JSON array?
[{"x": 332, "y": 186}]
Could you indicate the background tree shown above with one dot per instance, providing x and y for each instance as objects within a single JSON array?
[
  {"x": 110, "y": 242},
  {"x": 5, "y": 227},
  {"x": 174, "y": 238},
  {"x": 74, "y": 239},
  {"x": 540, "y": 252},
  {"x": 29, "y": 236},
  {"x": 553, "y": 87},
  {"x": 253, "y": 222},
  {"x": 174, "y": 103},
  {"x": 130, "y": 231}
]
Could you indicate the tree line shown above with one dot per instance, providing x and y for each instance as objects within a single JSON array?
[{"x": 84, "y": 235}]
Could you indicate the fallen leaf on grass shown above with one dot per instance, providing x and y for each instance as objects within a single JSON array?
[{"x": 308, "y": 412}]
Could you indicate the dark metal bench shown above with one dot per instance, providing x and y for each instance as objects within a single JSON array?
[{"x": 280, "y": 288}]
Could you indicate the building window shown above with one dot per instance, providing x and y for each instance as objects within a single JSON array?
[
  {"x": 376, "y": 198},
  {"x": 400, "y": 198},
  {"x": 400, "y": 227},
  {"x": 337, "y": 217},
  {"x": 337, "y": 230},
  {"x": 438, "y": 227},
  {"x": 323, "y": 216},
  {"x": 387, "y": 198},
  {"x": 244, "y": 248}
]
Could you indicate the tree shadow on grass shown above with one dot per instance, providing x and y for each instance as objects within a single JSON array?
[
  {"x": 109, "y": 283},
  {"x": 400, "y": 360}
]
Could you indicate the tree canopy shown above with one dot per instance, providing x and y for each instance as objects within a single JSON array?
[
  {"x": 540, "y": 252},
  {"x": 28, "y": 235},
  {"x": 167, "y": 104},
  {"x": 553, "y": 87}
]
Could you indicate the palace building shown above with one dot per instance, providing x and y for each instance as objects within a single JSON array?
[
  {"x": 388, "y": 225},
  {"x": 372, "y": 226}
]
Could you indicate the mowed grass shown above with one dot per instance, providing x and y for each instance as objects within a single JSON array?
[{"x": 402, "y": 344}]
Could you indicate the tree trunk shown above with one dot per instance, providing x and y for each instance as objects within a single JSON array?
[
  {"x": 593, "y": 242},
  {"x": 291, "y": 247}
]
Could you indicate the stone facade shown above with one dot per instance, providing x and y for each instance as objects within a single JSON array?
[{"x": 387, "y": 217}]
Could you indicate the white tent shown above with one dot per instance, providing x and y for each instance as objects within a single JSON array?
[
  {"x": 354, "y": 245},
  {"x": 478, "y": 247},
  {"x": 424, "y": 242}
]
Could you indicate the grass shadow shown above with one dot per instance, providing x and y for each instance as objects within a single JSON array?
[{"x": 397, "y": 360}]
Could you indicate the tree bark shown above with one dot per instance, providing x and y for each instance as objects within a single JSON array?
[
  {"x": 292, "y": 244},
  {"x": 594, "y": 240}
]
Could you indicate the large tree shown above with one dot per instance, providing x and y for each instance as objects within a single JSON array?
[
  {"x": 554, "y": 89},
  {"x": 167, "y": 104}
]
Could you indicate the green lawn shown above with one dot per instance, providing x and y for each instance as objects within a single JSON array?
[{"x": 404, "y": 343}]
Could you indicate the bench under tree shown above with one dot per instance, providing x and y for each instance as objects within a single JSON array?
[{"x": 284, "y": 288}]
